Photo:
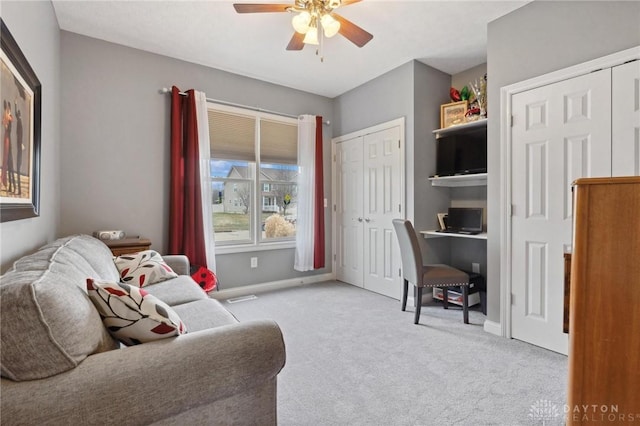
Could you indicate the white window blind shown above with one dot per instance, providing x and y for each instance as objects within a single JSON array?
[
  {"x": 232, "y": 136},
  {"x": 278, "y": 142}
]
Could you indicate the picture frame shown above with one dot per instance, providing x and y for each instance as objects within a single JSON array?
[
  {"x": 20, "y": 133},
  {"x": 452, "y": 114},
  {"x": 442, "y": 221}
]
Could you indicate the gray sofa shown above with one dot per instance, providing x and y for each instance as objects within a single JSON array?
[{"x": 59, "y": 365}]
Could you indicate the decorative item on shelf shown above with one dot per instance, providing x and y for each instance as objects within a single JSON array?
[
  {"x": 473, "y": 114},
  {"x": 442, "y": 221},
  {"x": 465, "y": 94},
  {"x": 475, "y": 94},
  {"x": 480, "y": 92},
  {"x": 455, "y": 95},
  {"x": 452, "y": 114}
]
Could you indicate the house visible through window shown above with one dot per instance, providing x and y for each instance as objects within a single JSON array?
[{"x": 254, "y": 160}]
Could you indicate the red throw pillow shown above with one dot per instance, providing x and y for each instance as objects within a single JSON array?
[{"x": 204, "y": 277}]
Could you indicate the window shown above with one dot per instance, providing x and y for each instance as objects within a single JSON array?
[{"x": 254, "y": 159}]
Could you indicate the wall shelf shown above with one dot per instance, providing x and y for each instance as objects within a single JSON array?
[
  {"x": 478, "y": 179},
  {"x": 436, "y": 234},
  {"x": 460, "y": 127}
]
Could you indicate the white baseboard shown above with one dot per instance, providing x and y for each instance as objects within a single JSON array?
[
  {"x": 274, "y": 285},
  {"x": 493, "y": 327}
]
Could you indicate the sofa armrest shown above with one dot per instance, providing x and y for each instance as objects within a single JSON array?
[
  {"x": 178, "y": 262},
  {"x": 153, "y": 381}
]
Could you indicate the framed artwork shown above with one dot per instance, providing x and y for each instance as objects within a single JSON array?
[
  {"x": 452, "y": 114},
  {"x": 21, "y": 94}
]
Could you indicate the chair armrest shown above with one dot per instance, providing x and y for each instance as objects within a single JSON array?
[
  {"x": 152, "y": 381},
  {"x": 178, "y": 262}
]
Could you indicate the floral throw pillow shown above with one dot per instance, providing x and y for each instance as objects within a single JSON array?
[
  {"x": 132, "y": 315},
  {"x": 143, "y": 268}
]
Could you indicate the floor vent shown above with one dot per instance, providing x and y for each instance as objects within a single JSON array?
[{"x": 242, "y": 298}]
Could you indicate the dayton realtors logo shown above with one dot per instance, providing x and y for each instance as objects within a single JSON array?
[
  {"x": 599, "y": 414},
  {"x": 546, "y": 412}
]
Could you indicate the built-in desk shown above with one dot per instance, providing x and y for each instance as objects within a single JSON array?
[
  {"x": 435, "y": 234},
  {"x": 454, "y": 297}
]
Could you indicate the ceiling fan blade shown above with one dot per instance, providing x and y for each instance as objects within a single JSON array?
[
  {"x": 352, "y": 32},
  {"x": 260, "y": 7},
  {"x": 296, "y": 42}
]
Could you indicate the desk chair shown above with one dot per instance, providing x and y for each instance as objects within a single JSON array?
[{"x": 430, "y": 276}]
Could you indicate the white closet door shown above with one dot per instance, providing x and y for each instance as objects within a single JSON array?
[
  {"x": 349, "y": 212},
  {"x": 369, "y": 195},
  {"x": 560, "y": 132},
  {"x": 382, "y": 203},
  {"x": 625, "y": 137}
]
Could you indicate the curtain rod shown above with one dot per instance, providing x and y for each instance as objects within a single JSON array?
[{"x": 165, "y": 90}]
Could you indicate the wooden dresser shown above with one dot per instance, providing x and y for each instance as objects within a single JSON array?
[
  {"x": 604, "y": 314},
  {"x": 128, "y": 245}
]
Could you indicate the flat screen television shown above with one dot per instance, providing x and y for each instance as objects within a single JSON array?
[{"x": 462, "y": 153}]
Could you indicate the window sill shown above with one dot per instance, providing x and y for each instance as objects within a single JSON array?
[{"x": 246, "y": 248}]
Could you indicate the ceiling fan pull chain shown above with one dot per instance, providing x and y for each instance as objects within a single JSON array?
[{"x": 321, "y": 46}]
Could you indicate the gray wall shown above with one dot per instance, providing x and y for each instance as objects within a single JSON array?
[
  {"x": 35, "y": 29},
  {"x": 384, "y": 98},
  {"x": 413, "y": 91},
  {"x": 431, "y": 89},
  {"x": 115, "y": 144},
  {"x": 536, "y": 39},
  {"x": 468, "y": 76}
]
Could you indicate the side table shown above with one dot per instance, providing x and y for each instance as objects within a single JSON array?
[{"x": 128, "y": 245}]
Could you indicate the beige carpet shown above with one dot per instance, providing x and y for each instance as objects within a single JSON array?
[{"x": 354, "y": 358}]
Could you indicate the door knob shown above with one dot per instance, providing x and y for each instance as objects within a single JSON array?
[
  {"x": 359, "y": 219},
  {"x": 367, "y": 220}
]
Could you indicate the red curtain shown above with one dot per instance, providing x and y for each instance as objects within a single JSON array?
[
  {"x": 318, "y": 220},
  {"x": 186, "y": 231}
]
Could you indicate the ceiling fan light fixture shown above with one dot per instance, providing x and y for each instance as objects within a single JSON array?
[
  {"x": 313, "y": 20},
  {"x": 301, "y": 22},
  {"x": 329, "y": 25},
  {"x": 312, "y": 36}
]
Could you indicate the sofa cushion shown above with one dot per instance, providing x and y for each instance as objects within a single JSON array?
[
  {"x": 204, "y": 314},
  {"x": 83, "y": 252},
  {"x": 143, "y": 268},
  {"x": 132, "y": 315},
  {"x": 177, "y": 291},
  {"x": 48, "y": 323}
]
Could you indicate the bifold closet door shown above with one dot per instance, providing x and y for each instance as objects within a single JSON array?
[
  {"x": 349, "y": 212},
  {"x": 560, "y": 132},
  {"x": 625, "y": 113},
  {"x": 368, "y": 197},
  {"x": 382, "y": 204}
]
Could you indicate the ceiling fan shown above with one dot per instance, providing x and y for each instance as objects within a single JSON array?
[{"x": 313, "y": 19}]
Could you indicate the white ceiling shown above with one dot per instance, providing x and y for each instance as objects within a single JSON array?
[{"x": 447, "y": 35}]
